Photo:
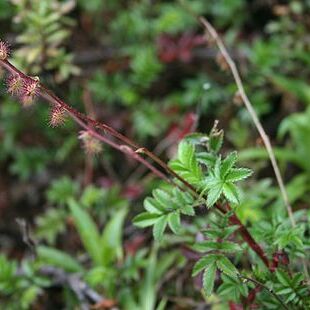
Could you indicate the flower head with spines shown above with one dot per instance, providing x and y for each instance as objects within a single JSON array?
[{"x": 4, "y": 50}]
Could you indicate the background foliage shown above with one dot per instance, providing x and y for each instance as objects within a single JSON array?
[{"x": 144, "y": 68}]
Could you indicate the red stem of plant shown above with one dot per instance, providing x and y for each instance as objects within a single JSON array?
[
  {"x": 250, "y": 241},
  {"x": 89, "y": 124},
  {"x": 247, "y": 237}
]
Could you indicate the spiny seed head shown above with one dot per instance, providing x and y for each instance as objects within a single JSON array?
[
  {"x": 58, "y": 116},
  {"x": 31, "y": 87},
  {"x": 4, "y": 50},
  {"x": 91, "y": 145},
  {"x": 14, "y": 84},
  {"x": 29, "y": 91}
]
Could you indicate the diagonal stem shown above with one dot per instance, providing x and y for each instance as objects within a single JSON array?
[
  {"x": 131, "y": 149},
  {"x": 247, "y": 237}
]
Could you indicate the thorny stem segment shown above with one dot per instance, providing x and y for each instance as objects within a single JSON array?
[
  {"x": 130, "y": 148},
  {"x": 50, "y": 96},
  {"x": 122, "y": 148}
]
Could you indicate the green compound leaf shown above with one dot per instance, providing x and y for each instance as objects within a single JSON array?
[
  {"x": 231, "y": 193},
  {"x": 174, "y": 222},
  {"x": 145, "y": 219},
  {"x": 153, "y": 206},
  {"x": 203, "y": 263},
  {"x": 228, "y": 163},
  {"x": 214, "y": 194},
  {"x": 238, "y": 174},
  {"x": 226, "y": 266},
  {"x": 159, "y": 228},
  {"x": 209, "y": 279}
]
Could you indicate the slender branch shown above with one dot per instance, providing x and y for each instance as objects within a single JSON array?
[
  {"x": 158, "y": 150},
  {"x": 80, "y": 118},
  {"x": 52, "y": 98},
  {"x": 113, "y": 132},
  {"x": 130, "y": 148},
  {"x": 166, "y": 167},
  {"x": 247, "y": 237}
]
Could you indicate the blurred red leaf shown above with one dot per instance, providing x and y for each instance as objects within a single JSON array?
[{"x": 171, "y": 48}]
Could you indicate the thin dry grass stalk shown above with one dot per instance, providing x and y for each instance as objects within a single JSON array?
[
  {"x": 233, "y": 68},
  {"x": 243, "y": 96}
]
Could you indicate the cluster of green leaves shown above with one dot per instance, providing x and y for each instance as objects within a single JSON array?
[
  {"x": 104, "y": 247},
  {"x": 221, "y": 174},
  {"x": 209, "y": 264},
  {"x": 165, "y": 208},
  {"x": 200, "y": 164},
  {"x": 222, "y": 178},
  {"x": 292, "y": 289},
  {"x": 101, "y": 202},
  {"x": 134, "y": 34},
  {"x": 279, "y": 234},
  {"x": 147, "y": 89},
  {"x": 19, "y": 286},
  {"x": 45, "y": 27},
  {"x": 205, "y": 170}
]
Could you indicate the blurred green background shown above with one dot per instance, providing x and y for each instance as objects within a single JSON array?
[{"x": 144, "y": 68}]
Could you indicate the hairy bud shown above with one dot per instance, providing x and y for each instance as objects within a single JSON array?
[
  {"x": 14, "y": 85},
  {"x": 4, "y": 50},
  {"x": 30, "y": 91},
  {"x": 91, "y": 145},
  {"x": 58, "y": 116}
]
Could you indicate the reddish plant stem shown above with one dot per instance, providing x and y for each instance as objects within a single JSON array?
[
  {"x": 247, "y": 237},
  {"x": 166, "y": 167},
  {"x": 90, "y": 125},
  {"x": 122, "y": 148},
  {"x": 250, "y": 241},
  {"x": 50, "y": 96}
]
